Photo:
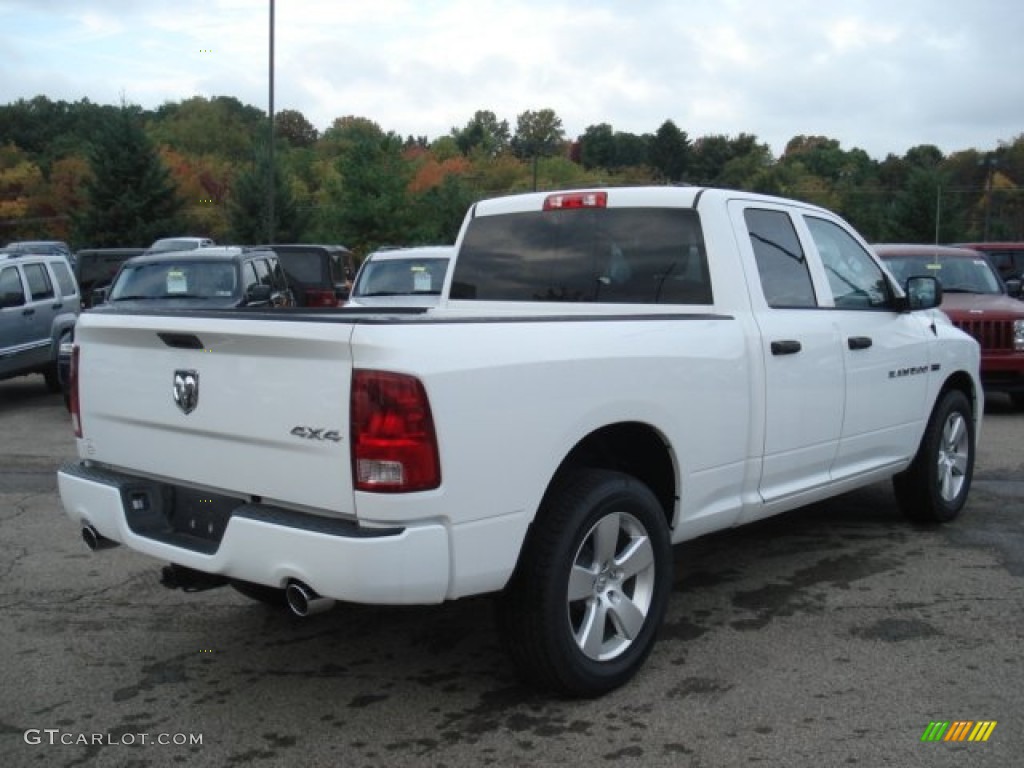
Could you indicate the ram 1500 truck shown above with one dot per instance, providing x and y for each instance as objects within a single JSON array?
[{"x": 608, "y": 373}]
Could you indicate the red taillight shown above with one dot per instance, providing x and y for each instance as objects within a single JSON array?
[
  {"x": 394, "y": 447},
  {"x": 575, "y": 200},
  {"x": 316, "y": 297},
  {"x": 76, "y": 410}
]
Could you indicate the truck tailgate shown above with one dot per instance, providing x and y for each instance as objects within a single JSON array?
[{"x": 242, "y": 405}]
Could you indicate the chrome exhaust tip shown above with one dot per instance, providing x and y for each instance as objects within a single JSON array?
[
  {"x": 96, "y": 541},
  {"x": 303, "y": 601}
]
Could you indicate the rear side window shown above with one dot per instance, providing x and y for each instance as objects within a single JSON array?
[
  {"x": 303, "y": 266},
  {"x": 781, "y": 263},
  {"x": 262, "y": 271},
  {"x": 1009, "y": 263},
  {"x": 249, "y": 278},
  {"x": 613, "y": 255},
  {"x": 277, "y": 276},
  {"x": 64, "y": 278},
  {"x": 38, "y": 280}
]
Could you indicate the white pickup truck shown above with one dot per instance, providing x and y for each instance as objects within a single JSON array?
[{"x": 608, "y": 373}]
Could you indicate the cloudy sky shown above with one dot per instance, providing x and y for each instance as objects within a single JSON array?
[{"x": 881, "y": 75}]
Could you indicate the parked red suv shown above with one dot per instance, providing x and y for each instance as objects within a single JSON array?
[
  {"x": 319, "y": 275},
  {"x": 978, "y": 302}
]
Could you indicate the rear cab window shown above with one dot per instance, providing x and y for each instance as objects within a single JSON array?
[
  {"x": 605, "y": 255},
  {"x": 781, "y": 263}
]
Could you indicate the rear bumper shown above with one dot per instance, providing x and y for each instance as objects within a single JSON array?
[{"x": 266, "y": 544}]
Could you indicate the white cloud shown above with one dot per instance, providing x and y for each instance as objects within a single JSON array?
[{"x": 877, "y": 74}]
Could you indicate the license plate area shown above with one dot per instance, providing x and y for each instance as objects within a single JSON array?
[
  {"x": 202, "y": 515},
  {"x": 184, "y": 517}
]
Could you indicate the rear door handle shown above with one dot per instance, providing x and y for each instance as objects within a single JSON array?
[
  {"x": 859, "y": 342},
  {"x": 787, "y": 347},
  {"x": 58, "y": 306},
  {"x": 27, "y": 312}
]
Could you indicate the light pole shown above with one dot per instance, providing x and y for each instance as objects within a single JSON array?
[{"x": 270, "y": 138}]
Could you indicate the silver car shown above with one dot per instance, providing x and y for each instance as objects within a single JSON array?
[
  {"x": 39, "y": 303},
  {"x": 402, "y": 277}
]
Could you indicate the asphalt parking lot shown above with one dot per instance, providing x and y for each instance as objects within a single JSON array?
[{"x": 830, "y": 636}]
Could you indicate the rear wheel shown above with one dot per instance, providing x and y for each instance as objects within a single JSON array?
[
  {"x": 52, "y": 378},
  {"x": 933, "y": 489},
  {"x": 582, "y": 611}
]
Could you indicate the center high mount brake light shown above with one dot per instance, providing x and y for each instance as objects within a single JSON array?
[{"x": 567, "y": 200}]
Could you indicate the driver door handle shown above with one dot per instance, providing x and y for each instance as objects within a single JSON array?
[
  {"x": 859, "y": 342},
  {"x": 786, "y": 347}
]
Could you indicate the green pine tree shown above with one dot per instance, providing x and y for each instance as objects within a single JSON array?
[
  {"x": 248, "y": 206},
  {"x": 131, "y": 198}
]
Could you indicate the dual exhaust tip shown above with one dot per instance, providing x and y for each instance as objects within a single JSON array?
[
  {"x": 301, "y": 598},
  {"x": 303, "y": 601}
]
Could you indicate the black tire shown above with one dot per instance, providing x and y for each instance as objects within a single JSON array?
[
  {"x": 52, "y": 378},
  {"x": 261, "y": 593},
  {"x": 587, "y": 524},
  {"x": 933, "y": 489}
]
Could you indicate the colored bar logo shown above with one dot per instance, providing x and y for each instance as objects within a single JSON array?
[{"x": 959, "y": 730}]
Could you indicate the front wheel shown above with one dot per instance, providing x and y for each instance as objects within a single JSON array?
[
  {"x": 583, "y": 608},
  {"x": 933, "y": 489}
]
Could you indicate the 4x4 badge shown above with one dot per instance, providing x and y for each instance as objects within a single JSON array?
[{"x": 186, "y": 390}]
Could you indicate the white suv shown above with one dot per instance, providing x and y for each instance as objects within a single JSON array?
[{"x": 39, "y": 303}]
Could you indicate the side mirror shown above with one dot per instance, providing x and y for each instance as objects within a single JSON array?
[
  {"x": 98, "y": 296},
  {"x": 923, "y": 292},
  {"x": 258, "y": 294},
  {"x": 342, "y": 290},
  {"x": 1013, "y": 287}
]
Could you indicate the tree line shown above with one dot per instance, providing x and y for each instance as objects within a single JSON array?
[{"x": 118, "y": 175}]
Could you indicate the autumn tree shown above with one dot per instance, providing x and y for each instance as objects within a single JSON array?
[
  {"x": 131, "y": 199},
  {"x": 203, "y": 182},
  {"x": 292, "y": 126},
  {"x": 220, "y": 126}
]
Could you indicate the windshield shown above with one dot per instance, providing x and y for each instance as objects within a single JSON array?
[
  {"x": 401, "y": 277},
  {"x": 176, "y": 280},
  {"x": 957, "y": 275}
]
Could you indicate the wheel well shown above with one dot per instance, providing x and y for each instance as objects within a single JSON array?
[
  {"x": 965, "y": 384},
  {"x": 632, "y": 448}
]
